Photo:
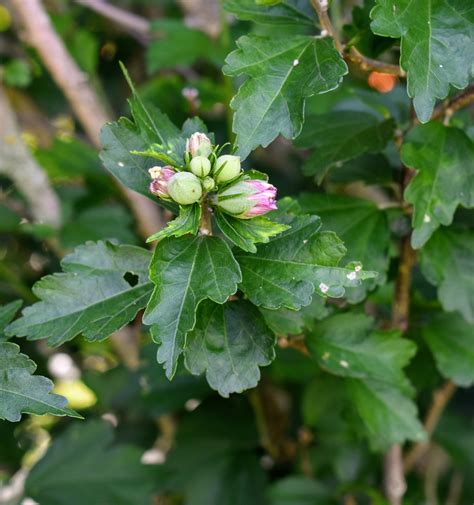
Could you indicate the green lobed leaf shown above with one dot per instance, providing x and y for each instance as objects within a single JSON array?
[
  {"x": 362, "y": 227},
  {"x": 444, "y": 160},
  {"x": 447, "y": 262},
  {"x": 245, "y": 233},
  {"x": 347, "y": 345},
  {"x": 82, "y": 466},
  {"x": 291, "y": 267},
  {"x": 284, "y": 12},
  {"x": 7, "y": 313},
  {"x": 437, "y": 37},
  {"x": 451, "y": 341},
  {"x": 282, "y": 73},
  {"x": 187, "y": 222},
  {"x": 389, "y": 416},
  {"x": 340, "y": 136},
  {"x": 92, "y": 297},
  {"x": 186, "y": 271},
  {"x": 229, "y": 343},
  {"x": 21, "y": 392}
]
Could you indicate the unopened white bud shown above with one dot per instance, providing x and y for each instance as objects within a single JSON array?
[
  {"x": 227, "y": 167},
  {"x": 185, "y": 188},
  {"x": 200, "y": 166}
]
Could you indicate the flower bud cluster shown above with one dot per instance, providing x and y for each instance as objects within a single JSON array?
[{"x": 205, "y": 172}]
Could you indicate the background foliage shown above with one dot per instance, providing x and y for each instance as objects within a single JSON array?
[{"x": 349, "y": 334}]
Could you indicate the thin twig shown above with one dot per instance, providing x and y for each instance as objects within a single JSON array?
[
  {"x": 453, "y": 104},
  {"x": 84, "y": 101},
  {"x": 321, "y": 8},
  {"x": 441, "y": 398},
  {"x": 135, "y": 25},
  {"x": 366, "y": 63},
  {"x": 17, "y": 163}
]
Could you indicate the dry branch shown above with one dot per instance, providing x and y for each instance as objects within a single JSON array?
[{"x": 84, "y": 101}]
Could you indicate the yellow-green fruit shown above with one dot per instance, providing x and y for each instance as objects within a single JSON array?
[
  {"x": 184, "y": 188},
  {"x": 226, "y": 168},
  {"x": 200, "y": 166}
]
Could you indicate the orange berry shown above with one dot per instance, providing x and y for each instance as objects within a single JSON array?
[{"x": 382, "y": 82}]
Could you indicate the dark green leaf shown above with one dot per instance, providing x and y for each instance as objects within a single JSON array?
[
  {"x": 229, "y": 342},
  {"x": 176, "y": 44},
  {"x": 7, "y": 313},
  {"x": 282, "y": 73},
  {"x": 389, "y": 416},
  {"x": 346, "y": 345},
  {"x": 92, "y": 297},
  {"x": 21, "y": 392},
  {"x": 363, "y": 229},
  {"x": 444, "y": 160},
  {"x": 291, "y": 267},
  {"x": 447, "y": 262},
  {"x": 340, "y": 136},
  {"x": 82, "y": 466},
  {"x": 245, "y": 233},
  {"x": 436, "y": 47},
  {"x": 185, "y": 271},
  {"x": 451, "y": 341},
  {"x": 298, "y": 490},
  {"x": 187, "y": 222},
  {"x": 285, "y": 12},
  {"x": 214, "y": 459},
  {"x": 285, "y": 321}
]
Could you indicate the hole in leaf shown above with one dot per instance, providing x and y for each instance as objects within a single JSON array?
[{"x": 132, "y": 279}]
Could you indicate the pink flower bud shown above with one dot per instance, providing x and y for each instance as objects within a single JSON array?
[
  {"x": 159, "y": 184},
  {"x": 198, "y": 144},
  {"x": 247, "y": 199}
]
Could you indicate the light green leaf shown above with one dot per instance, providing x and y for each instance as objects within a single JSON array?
[
  {"x": 291, "y": 267},
  {"x": 245, "y": 233},
  {"x": 451, "y": 341},
  {"x": 340, "y": 136},
  {"x": 285, "y": 12},
  {"x": 229, "y": 342},
  {"x": 346, "y": 345},
  {"x": 447, "y": 262},
  {"x": 436, "y": 46},
  {"x": 92, "y": 297},
  {"x": 84, "y": 466},
  {"x": 444, "y": 160},
  {"x": 187, "y": 222},
  {"x": 186, "y": 271},
  {"x": 22, "y": 392},
  {"x": 388, "y": 415},
  {"x": 361, "y": 226},
  {"x": 7, "y": 313},
  {"x": 282, "y": 73}
]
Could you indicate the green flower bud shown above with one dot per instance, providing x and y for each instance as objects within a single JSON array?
[
  {"x": 184, "y": 188},
  {"x": 208, "y": 184},
  {"x": 227, "y": 167},
  {"x": 200, "y": 166}
]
